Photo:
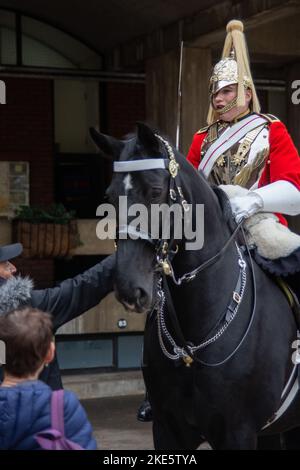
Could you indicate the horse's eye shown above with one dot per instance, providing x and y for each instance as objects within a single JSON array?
[
  {"x": 156, "y": 192},
  {"x": 109, "y": 194}
]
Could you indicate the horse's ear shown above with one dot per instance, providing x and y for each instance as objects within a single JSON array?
[
  {"x": 147, "y": 137},
  {"x": 109, "y": 147}
]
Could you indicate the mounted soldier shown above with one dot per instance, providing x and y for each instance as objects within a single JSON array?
[
  {"x": 242, "y": 148},
  {"x": 254, "y": 159},
  {"x": 247, "y": 149}
]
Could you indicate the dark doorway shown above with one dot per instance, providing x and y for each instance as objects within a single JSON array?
[{"x": 80, "y": 183}]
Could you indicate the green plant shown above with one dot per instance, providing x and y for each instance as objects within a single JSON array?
[{"x": 56, "y": 214}]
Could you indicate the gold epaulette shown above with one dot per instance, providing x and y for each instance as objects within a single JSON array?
[
  {"x": 203, "y": 129},
  {"x": 270, "y": 117}
]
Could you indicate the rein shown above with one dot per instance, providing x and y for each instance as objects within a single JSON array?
[
  {"x": 192, "y": 274},
  {"x": 188, "y": 350}
]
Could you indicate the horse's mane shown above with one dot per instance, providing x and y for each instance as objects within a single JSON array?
[
  {"x": 224, "y": 204},
  {"x": 219, "y": 193}
]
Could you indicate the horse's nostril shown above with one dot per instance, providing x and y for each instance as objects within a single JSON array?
[{"x": 141, "y": 296}]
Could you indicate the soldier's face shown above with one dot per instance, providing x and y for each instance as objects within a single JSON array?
[
  {"x": 227, "y": 94},
  {"x": 224, "y": 96},
  {"x": 7, "y": 269}
]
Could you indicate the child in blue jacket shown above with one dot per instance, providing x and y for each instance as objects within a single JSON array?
[{"x": 25, "y": 402}]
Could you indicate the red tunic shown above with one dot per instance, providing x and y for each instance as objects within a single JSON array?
[{"x": 283, "y": 162}]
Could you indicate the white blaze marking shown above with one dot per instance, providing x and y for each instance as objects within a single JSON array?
[{"x": 127, "y": 182}]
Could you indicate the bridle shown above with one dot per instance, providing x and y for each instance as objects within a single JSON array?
[
  {"x": 165, "y": 254},
  {"x": 165, "y": 249}
]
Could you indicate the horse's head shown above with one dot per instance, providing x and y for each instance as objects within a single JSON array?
[
  {"x": 136, "y": 259},
  {"x": 145, "y": 173}
]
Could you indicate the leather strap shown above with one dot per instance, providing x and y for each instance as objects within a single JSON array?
[{"x": 57, "y": 411}]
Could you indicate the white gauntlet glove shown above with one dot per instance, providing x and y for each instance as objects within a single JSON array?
[
  {"x": 245, "y": 206},
  {"x": 281, "y": 196}
]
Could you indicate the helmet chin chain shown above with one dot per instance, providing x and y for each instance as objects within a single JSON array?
[{"x": 228, "y": 107}]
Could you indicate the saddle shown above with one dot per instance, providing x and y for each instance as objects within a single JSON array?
[{"x": 273, "y": 246}]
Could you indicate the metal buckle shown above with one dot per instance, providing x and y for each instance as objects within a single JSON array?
[
  {"x": 173, "y": 168},
  {"x": 188, "y": 360},
  {"x": 236, "y": 297},
  {"x": 173, "y": 194},
  {"x": 165, "y": 247},
  {"x": 189, "y": 277},
  {"x": 242, "y": 263},
  {"x": 180, "y": 191},
  {"x": 185, "y": 205},
  {"x": 165, "y": 266}
]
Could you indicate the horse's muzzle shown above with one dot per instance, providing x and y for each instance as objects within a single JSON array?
[{"x": 137, "y": 301}]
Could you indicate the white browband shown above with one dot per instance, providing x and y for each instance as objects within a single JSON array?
[
  {"x": 140, "y": 165},
  {"x": 128, "y": 230}
]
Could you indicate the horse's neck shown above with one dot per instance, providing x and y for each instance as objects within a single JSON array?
[{"x": 209, "y": 292}]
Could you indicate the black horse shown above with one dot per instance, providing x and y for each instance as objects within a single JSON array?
[{"x": 216, "y": 364}]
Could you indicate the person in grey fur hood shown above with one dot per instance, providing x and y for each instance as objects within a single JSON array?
[{"x": 66, "y": 301}]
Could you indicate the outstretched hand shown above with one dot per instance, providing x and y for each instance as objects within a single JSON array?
[{"x": 245, "y": 206}]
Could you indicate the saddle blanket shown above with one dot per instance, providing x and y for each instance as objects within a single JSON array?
[{"x": 277, "y": 247}]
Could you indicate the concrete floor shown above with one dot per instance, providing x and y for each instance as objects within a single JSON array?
[
  {"x": 115, "y": 424},
  {"x": 116, "y": 427}
]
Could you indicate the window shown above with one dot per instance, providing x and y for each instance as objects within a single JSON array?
[
  {"x": 42, "y": 45},
  {"x": 8, "y": 47},
  {"x": 272, "y": 97},
  {"x": 130, "y": 350},
  {"x": 76, "y": 105},
  {"x": 14, "y": 186},
  {"x": 87, "y": 352},
  {"x": 45, "y": 46}
]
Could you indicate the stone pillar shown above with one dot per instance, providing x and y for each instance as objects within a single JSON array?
[{"x": 162, "y": 93}]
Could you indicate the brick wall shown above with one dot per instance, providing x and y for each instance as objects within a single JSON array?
[
  {"x": 40, "y": 270},
  {"x": 26, "y": 126},
  {"x": 125, "y": 106},
  {"x": 26, "y": 133}
]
